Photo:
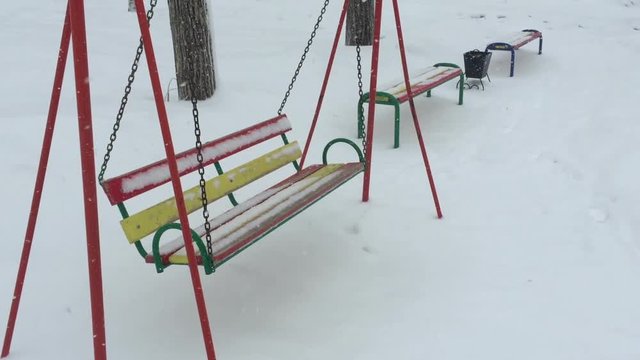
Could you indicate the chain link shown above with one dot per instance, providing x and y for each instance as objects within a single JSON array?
[
  {"x": 303, "y": 57},
  {"x": 125, "y": 98},
  {"x": 361, "y": 121}
]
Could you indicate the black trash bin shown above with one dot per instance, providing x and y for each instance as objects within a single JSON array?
[{"x": 476, "y": 66}]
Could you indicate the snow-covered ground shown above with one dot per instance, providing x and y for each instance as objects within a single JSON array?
[{"x": 537, "y": 257}]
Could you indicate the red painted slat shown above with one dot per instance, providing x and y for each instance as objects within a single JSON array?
[
  {"x": 289, "y": 181},
  {"x": 117, "y": 191},
  {"x": 419, "y": 89}
]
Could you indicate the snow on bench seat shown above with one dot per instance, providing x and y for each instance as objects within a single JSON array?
[
  {"x": 246, "y": 223},
  {"x": 524, "y": 38},
  {"x": 425, "y": 80}
]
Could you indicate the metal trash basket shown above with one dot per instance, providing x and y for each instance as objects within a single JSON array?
[{"x": 476, "y": 64}]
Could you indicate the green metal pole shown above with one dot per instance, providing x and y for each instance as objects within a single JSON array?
[
  {"x": 396, "y": 135},
  {"x": 360, "y": 116},
  {"x": 461, "y": 96}
]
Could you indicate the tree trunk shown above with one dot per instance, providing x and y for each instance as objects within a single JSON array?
[
  {"x": 360, "y": 23},
  {"x": 192, "y": 48}
]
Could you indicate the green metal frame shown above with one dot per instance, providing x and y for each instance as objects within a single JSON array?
[
  {"x": 207, "y": 261},
  {"x": 384, "y": 98},
  {"x": 344, "y": 141},
  {"x": 209, "y": 266},
  {"x": 461, "y": 90}
]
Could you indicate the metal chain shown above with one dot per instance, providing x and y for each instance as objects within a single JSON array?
[
  {"x": 196, "y": 42},
  {"x": 125, "y": 98},
  {"x": 203, "y": 183},
  {"x": 361, "y": 121},
  {"x": 303, "y": 57}
]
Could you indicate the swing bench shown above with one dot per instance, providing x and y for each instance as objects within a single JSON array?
[
  {"x": 219, "y": 239},
  {"x": 245, "y": 223}
]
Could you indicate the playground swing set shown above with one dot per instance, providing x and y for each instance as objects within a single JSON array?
[{"x": 229, "y": 233}]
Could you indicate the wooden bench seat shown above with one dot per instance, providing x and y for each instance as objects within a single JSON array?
[
  {"x": 247, "y": 221},
  {"x": 423, "y": 81},
  {"x": 517, "y": 41}
]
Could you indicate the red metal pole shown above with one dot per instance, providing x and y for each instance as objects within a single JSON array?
[
  {"x": 40, "y": 177},
  {"x": 414, "y": 113},
  {"x": 175, "y": 179},
  {"x": 89, "y": 183},
  {"x": 325, "y": 82},
  {"x": 373, "y": 87}
]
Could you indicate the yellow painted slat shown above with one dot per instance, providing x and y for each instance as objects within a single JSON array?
[
  {"x": 180, "y": 257},
  {"x": 147, "y": 221}
]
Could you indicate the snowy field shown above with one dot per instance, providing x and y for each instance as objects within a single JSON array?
[{"x": 538, "y": 254}]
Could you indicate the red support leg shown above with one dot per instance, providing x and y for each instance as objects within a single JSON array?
[
  {"x": 414, "y": 113},
  {"x": 325, "y": 82},
  {"x": 40, "y": 177},
  {"x": 373, "y": 88},
  {"x": 89, "y": 184},
  {"x": 175, "y": 179}
]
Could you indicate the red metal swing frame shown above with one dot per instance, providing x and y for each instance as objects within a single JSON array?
[{"x": 74, "y": 33}]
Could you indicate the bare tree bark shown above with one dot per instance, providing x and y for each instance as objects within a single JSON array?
[
  {"x": 192, "y": 48},
  {"x": 360, "y": 23}
]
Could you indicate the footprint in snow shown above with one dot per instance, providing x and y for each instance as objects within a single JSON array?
[
  {"x": 599, "y": 215},
  {"x": 563, "y": 166},
  {"x": 353, "y": 229},
  {"x": 478, "y": 16},
  {"x": 368, "y": 250}
]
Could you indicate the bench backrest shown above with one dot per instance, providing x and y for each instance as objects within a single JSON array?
[{"x": 136, "y": 182}]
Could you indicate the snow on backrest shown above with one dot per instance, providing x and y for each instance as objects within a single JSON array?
[{"x": 138, "y": 181}]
